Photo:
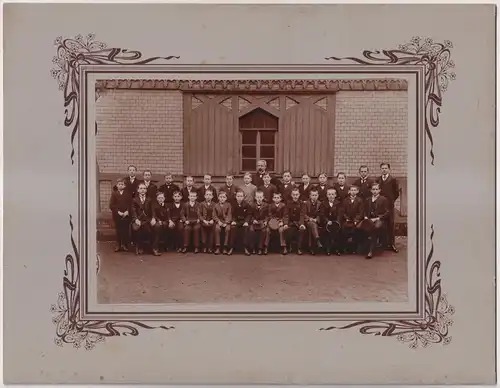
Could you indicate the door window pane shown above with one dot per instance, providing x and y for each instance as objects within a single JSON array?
[
  {"x": 249, "y": 152},
  {"x": 270, "y": 164},
  {"x": 267, "y": 152},
  {"x": 267, "y": 137},
  {"x": 249, "y": 137},
  {"x": 248, "y": 164}
]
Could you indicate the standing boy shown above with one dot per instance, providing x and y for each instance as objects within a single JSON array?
[
  {"x": 222, "y": 218},
  {"x": 332, "y": 212},
  {"x": 286, "y": 187},
  {"x": 230, "y": 188},
  {"x": 258, "y": 228},
  {"x": 151, "y": 188},
  {"x": 207, "y": 222},
  {"x": 389, "y": 188},
  {"x": 248, "y": 188},
  {"x": 131, "y": 182},
  {"x": 322, "y": 187},
  {"x": 364, "y": 183},
  {"x": 277, "y": 211},
  {"x": 352, "y": 211},
  {"x": 340, "y": 187},
  {"x": 175, "y": 226},
  {"x": 188, "y": 188},
  {"x": 190, "y": 219},
  {"x": 120, "y": 204},
  {"x": 268, "y": 189},
  {"x": 169, "y": 188},
  {"x": 142, "y": 219},
  {"x": 305, "y": 187},
  {"x": 293, "y": 220},
  {"x": 241, "y": 219},
  {"x": 377, "y": 210},
  {"x": 312, "y": 218},
  {"x": 207, "y": 185},
  {"x": 161, "y": 217}
]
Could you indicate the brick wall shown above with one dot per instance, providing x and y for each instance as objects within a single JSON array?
[
  {"x": 371, "y": 127},
  {"x": 147, "y": 122}
]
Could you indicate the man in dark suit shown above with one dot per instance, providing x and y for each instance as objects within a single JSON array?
[
  {"x": 389, "y": 188},
  {"x": 352, "y": 214},
  {"x": 364, "y": 183},
  {"x": 142, "y": 219},
  {"x": 161, "y": 217},
  {"x": 258, "y": 225},
  {"x": 169, "y": 188},
  {"x": 188, "y": 188},
  {"x": 305, "y": 187},
  {"x": 151, "y": 188},
  {"x": 120, "y": 205},
  {"x": 230, "y": 189},
  {"x": 322, "y": 187},
  {"x": 312, "y": 218},
  {"x": 191, "y": 220},
  {"x": 207, "y": 185},
  {"x": 286, "y": 187},
  {"x": 268, "y": 189},
  {"x": 293, "y": 220},
  {"x": 341, "y": 187},
  {"x": 242, "y": 216},
  {"x": 258, "y": 178},
  {"x": 377, "y": 210}
]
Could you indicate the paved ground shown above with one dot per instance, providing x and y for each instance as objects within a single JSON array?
[{"x": 173, "y": 277}]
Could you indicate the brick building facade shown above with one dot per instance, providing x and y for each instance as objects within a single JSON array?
[{"x": 188, "y": 128}]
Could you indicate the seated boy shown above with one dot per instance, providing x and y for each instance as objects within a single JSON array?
[
  {"x": 268, "y": 189},
  {"x": 352, "y": 214},
  {"x": 222, "y": 218},
  {"x": 161, "y": 217},
  {"x": 277, "y": 211},
  {"x": 377, "y": 210},
  {"x": 258, "y": 229},
  {"x": 142, "y": 219},
  {"x": 190, "y": 219},
  {"x": 293, "y": 220},
  {"x": 175, "y": 225},
  {"x": 332, "y": 212},
  {"x": 312, "y": 218},
  {"x": 120, "y": 204},
  {"x": 207, "y": 222},
  {"x": 239, "y": 225}
]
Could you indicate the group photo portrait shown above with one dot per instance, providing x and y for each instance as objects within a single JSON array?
[{"x": 248, "y": 191}]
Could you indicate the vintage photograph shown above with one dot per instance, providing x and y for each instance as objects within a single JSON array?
[{"x": 286, "y": 190}]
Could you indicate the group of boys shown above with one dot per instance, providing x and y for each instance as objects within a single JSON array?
[{"x": 334, "y": 218}]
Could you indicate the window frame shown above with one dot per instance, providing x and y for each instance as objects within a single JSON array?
[{"x": 257, "y": 146}]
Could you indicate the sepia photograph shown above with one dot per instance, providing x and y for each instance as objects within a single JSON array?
[{"x": 284, "y": 190}]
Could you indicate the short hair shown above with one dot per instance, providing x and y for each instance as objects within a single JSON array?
[
  {"x": 355, "y": 186},
  {"x": 262, "y": 160},
  {"x": 168, "y": 174},
  {"x": 189, "y": 176},
  {"x": 141, "y": 184},
  {"x": 177, "y": 192},
  {"x": 209, "y": 191},
  {"x": 341, "y": 173},
  {"x": 323, "y": 173},
  {"x": 385, "y": 164},
  {"x": 247, "y": 174},
  {"x": 229, "y": 175},
  {"x": 363, "y": 166},
  {"x": 259, "y": 192},
  {"x": 295, "y": 189},
  {"x": 277, "y": 193},
  {"x": 266, "y": 174},
  {"x": 145, "y": 171},
  {"x": 305, "y": 174},
  {"x": 120, "y": 180},
  {"x": 193, "y": 192},
  {"x": 330, "y": 189},
  {"x": 222, "y": 192},
  {"x": 205, "y": 175},
  {"x": 375, "y": 184},
  {"x": 160, "y": 193},
  {"x": 132, "y": 166},
  {"x": 238, "y": 192},
  {"x": 287, "y": 172},
  {"x": 313, "y": 190}
]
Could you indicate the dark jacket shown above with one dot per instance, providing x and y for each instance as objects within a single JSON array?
[
  {"x": 294, "y": 213},
  {"x": 185, "y": 194},
  {"x": 322, "y": 191},
  {"x": 241, "y": 213},
  {"x": 190, "y": 213},
  {"x": 142, "y": 211},
  {"x": 304, "y": 192},
  {"x": 161, "y": 212},
  {"x": 352, "y": 211},
  {"x": 206, "y": 212},
  {"x": 120, "y": 202},
  {"x": 230, "y": 191},
  {"x": 151, "y": 191},
  {"x": 312, "y": 211},
  {"x": 258, "y": 181},
  {"x": 223, "y": 213},
  {"x": 342, "y": 193},
  {"x": 268, "y": 192},
  {"x": 364, "y": 188},
  {"x": 260, "y": 213},
  {"x": 331, "y": 213},
  {"x": 278, "y": 211},
  {"x": 174, "y": 212},
  {"x": 130, "y": 187},
  {"x": 389, "y": 188},
  {"x": 169, "y": 191},
  {"x": 202, "y": 190},
  {"x": 286, "y": 191},
  {"x": 378, "y": 208}
]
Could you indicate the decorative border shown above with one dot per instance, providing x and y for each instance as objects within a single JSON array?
[{"x": 73, "y": 52}]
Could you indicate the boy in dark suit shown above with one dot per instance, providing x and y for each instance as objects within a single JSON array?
[
  {"x": 222, "y": 218},
  {"x": 169, "y": 188},
  {"x": 142, "y": 219},
  {"x": 207, "y": 222},
  {"x": 258, "y": 179},
  {"x": 258, "y": 228},
  {"x": 331, "y": 212},
  {"x": 286, "y": 187},
  {"x": 293, "y": 221},
  {"x": 305, "y": 187},
  {"x": 277, "y": 211},
  {"x": 268, "y": 189},
  {"x": 322, "y": 187},
  {"x": 161, "y": 217},
  {"x": 364, "y": 183},
  {"x": 131, "y": 181},
  {"x": 377, "y": 210},
  {"x": 241, "y": 219},
  {"x": 120, "y": 204},
  {"x": 151, "y": 188},
  {"x": 207, "y": 185},
  {"x": 352, "y": 212},
  {"x": 230, "y": 188},
  {"x": 312, "y": 218},
  {"x": 190, "y": 219},
  {"x": 389, "y": 188},
  {"x": 188, "y": 188},
  {"x": 175, "y": 225},
  {"x": 341, "y": 188}
]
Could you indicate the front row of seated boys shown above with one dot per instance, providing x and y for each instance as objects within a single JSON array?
[{"x": 331, "y": 225}]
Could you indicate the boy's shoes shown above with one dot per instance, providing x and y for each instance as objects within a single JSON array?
[
  {"x": 318, "y": 244},
  {"x": 118, "y": 249},
  {"x": 156, "y": 253},
  {"x": 328, "y": 253},
  {"x": 224, "y": 251},
  {"x": 265, "y": 251},
  {"x": 313, "y": 252},
  {"x": 247, "y": 252},
  {"x": 184, "y": 250},
  {"x": 299, "y": 252},
  {"x": 196, "y": 250},
  {"x": 204, "y": 250},
  {"x": 393, "y": 248},
  {"x": 369, "y": 255},
  {"x": 179, "y": 250},
  {"x": 210, "y": 250},
  {"x": 230, "y": 251},
  {"x": 124, "y": 248},
  {"x": 284, "y": 251},
  {"x": 217, "y": 251},
  {"x": 137, "y": 251},
  {"x": 337, "y": 253},
  {"x": 259, "y": 252}
]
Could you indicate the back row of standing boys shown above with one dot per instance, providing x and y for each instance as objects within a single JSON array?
[{"x": 148, "y": 215}]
